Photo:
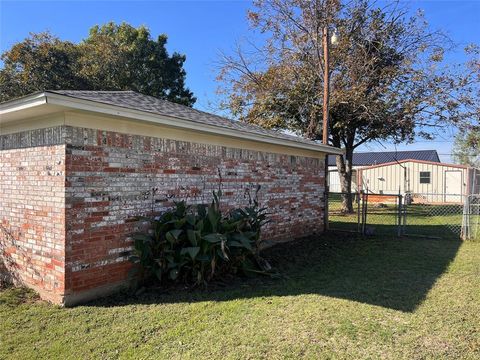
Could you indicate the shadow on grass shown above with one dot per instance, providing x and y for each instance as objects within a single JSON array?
[
  {"x": 395, "y": 273},
  {"x": 445, "y": 230}
]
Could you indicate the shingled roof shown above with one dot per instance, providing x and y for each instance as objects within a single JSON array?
[
  {"x": 136, "y": 101},
  {"x": 376, "y": 158}
]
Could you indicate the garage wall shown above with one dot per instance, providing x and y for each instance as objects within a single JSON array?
[
  {"x": 70, "y": 196},
  {"x": 32, "y": 211},
  {"x": 113, "y": 177}
]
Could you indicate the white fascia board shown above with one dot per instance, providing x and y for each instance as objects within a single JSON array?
[{"x": 23, "y": 103}]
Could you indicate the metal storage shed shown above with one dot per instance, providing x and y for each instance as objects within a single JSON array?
[{"x": 427, "y": 181}]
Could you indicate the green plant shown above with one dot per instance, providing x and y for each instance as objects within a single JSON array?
[
  {"x": 195, "y": 243},
  {"x": 254, "y": 215}
]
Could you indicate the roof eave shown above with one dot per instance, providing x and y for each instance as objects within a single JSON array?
[
  {"x": 25, "y": 102},
  {"x": 414, "y": 161},
  {"x": 73, "y": 103}
]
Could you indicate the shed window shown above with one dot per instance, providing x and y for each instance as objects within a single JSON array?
[{"x": 424, "y": 177}]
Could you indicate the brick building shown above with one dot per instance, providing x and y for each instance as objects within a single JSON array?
[{"x": 77, "y": 167}]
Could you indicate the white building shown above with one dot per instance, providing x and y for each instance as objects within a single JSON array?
[
  {"x": 427, "y": 180},
  {"x": 361, "y": 160}
]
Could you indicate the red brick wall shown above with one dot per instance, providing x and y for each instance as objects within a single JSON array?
[
  {"x": 69, "y": 197},
  {"x": 113, "y": 177},
  {"x": 32, "y": 218}
]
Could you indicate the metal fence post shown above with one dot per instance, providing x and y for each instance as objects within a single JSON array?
[
  {"x": 465, "y": 231},
  {"x": 326, "y": 196},
  {"x": 365, "y": 210},
  {"x": 363, "y": 213},
  {"x": 325, "y": 213},
  {"x": 359, "y": 201},
  {"x": 399, "y": 229}
]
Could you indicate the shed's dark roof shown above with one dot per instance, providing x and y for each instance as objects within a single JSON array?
[
  {"x": 375, "y": 158},
  {"x": 136, "y": 101}
]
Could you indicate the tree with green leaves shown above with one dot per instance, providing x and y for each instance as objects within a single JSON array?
[
  {"x": 40, "y": 62},
  {"x": 466, "y": 149},
  {"x": 112, "y": 57},
  {"x": 387, "y": 79}
]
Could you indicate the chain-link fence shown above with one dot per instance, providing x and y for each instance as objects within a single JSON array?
[
  {"x": 471, "y": 218},
  {"x": 339, "y": 216},
  {"x": 412, "y": 215},
  {"x": 426, "y": 215}
]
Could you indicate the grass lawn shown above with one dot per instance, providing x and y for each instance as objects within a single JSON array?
[{"x": 336, "y": 297}]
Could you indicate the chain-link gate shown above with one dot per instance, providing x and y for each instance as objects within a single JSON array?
[
  {"x": 370, "y": 214},
  {"x": 381, "y": 214}
]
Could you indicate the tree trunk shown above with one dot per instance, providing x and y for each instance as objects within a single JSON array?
[{"x": 344, "y": 166}]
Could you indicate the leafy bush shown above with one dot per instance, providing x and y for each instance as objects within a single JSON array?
[{"x": 195, "y": 243}]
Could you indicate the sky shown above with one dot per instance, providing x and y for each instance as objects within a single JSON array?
[{"x": 203, "y": 29}]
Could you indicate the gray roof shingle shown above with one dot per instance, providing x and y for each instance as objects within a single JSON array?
[
  {"x": 376, "y": 158},
  {"x": 137, "y": 101}
]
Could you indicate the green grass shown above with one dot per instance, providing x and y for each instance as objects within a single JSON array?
[{"x": 336, "y": 297}]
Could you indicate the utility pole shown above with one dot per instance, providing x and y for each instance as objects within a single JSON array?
[
  {"x": 326, "y": 82},
  {"x": 326, "y": 94},
  {"x": 326, "y": 41}
]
